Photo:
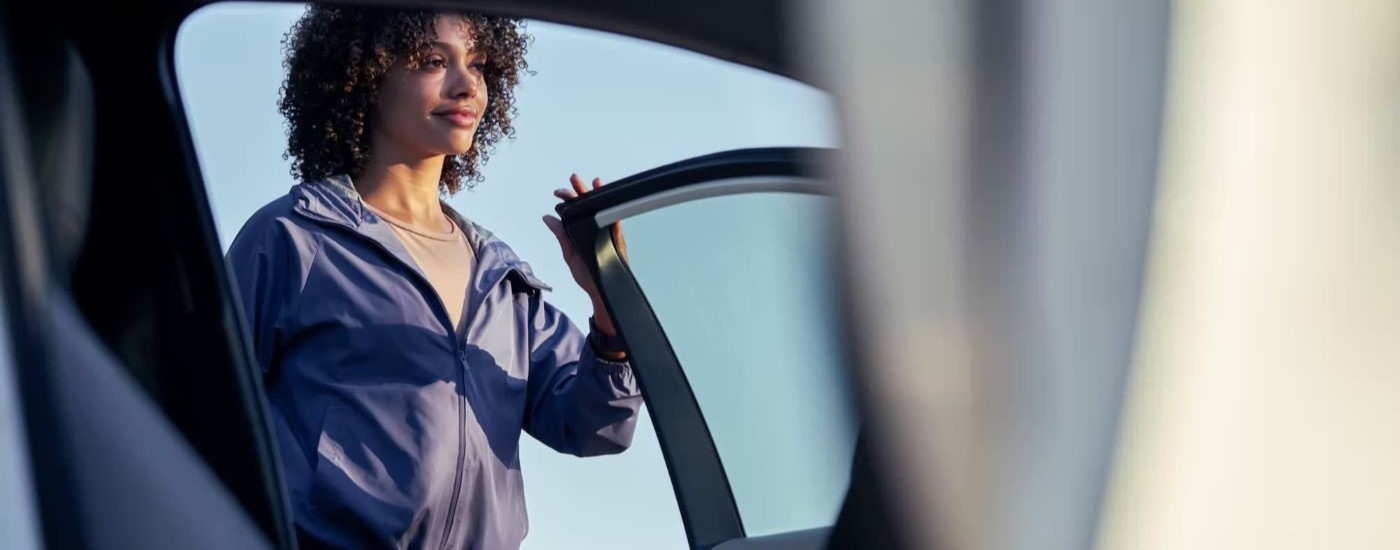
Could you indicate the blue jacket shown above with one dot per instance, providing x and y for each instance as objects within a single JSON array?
[{"x": 395, "y": 430}]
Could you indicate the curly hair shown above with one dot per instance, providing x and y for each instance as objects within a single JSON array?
[{"x": 336, "y": 60}]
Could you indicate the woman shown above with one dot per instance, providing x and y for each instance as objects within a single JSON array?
[{"x": 404, "y": 348}]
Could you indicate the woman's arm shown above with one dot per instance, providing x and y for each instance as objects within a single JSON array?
[
  {"x": 268, "y": 266},
  {"x": 583, "y": 397},
  {"x": 577, "y": 402}
]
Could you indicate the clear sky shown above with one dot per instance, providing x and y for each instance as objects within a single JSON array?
[{"x": 600, "y": 105}]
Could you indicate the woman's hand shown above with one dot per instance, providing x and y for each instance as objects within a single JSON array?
[{"x": 577, "y": 266}]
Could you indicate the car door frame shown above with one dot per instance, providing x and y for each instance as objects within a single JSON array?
[{"x": 703, "y": 493}]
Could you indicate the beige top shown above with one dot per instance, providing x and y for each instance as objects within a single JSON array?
[{"x": 447, "y": 259}]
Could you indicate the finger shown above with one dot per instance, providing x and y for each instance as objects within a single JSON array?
[
  {"x": 597, "y": 183},
  {"x": 556, "y": 226},
  {"x": 578, "y": 184},
  {"x": 565, "y": 194},
  {"x": 566, "y": 246}
]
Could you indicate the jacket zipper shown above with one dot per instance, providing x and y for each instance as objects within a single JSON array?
[
  {"x": 474, "y": 314},
  {"x": 461, "y": 464},
  {"x": 460, "y": 352}
]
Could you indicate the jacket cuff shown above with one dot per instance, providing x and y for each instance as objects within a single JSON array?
[{"x": 607, "y": 348}]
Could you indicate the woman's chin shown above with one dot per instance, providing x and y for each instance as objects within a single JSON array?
[
  {"x": 460, "y": 148},
  {"x": 454, "y": 149}
]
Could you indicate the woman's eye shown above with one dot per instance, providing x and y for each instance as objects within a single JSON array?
[
  {"x": 479, "y": 66},
  {"x": 435, "y": 63}
]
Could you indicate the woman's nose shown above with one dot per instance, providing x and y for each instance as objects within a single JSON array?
[{"x": 463, "y": 84}]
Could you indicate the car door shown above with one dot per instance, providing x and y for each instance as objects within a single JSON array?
[{"x": 725, "y": 304}]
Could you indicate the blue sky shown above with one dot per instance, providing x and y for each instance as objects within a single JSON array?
[{"x": 606, "y": 106}]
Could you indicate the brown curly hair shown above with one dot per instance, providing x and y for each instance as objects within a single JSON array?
[{"x": 336, "y": 60}]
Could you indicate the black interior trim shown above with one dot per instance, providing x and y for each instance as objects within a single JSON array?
[
  {"x": 25, "y": 282},
  {"x": 150, "y": 277},
  {"x": 277, "y": 519},
  {"x": 702, "y": 488}
]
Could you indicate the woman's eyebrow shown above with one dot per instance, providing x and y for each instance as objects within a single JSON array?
[{"x": 455, "y": 47}]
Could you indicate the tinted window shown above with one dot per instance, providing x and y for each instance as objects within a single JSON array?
[{"x": 741, "y": 286}]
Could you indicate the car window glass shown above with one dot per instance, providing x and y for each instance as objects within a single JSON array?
[{"x": 742, "y": 288}]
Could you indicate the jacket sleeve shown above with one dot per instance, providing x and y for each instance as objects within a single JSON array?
[
  {"x": 577, "y": 402},
  {"x": 264, "y": 261}
]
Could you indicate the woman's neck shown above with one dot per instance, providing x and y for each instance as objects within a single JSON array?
[{"x": 405, "y": 190}]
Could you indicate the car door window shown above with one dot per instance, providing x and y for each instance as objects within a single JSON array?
[
  {"x": 725, "y": 301},
  {"x": 741, "y": 286}
]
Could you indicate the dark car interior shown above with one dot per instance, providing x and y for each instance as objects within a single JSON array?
[
  {"x": 145, "y": 371},
  {"x": 145, "y": 416}
]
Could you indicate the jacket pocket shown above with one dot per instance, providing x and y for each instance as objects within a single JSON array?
[
  {"x": 340, "y": 514},
  {"x": 329, "y": 447}
]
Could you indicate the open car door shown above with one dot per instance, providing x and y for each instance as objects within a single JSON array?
[{"x": 725, "y": 303}]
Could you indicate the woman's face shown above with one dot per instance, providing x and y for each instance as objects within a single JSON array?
[{"x": 433, "y": 109}]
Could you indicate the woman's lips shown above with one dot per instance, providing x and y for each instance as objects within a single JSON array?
[{"x": 464, "y": 119}]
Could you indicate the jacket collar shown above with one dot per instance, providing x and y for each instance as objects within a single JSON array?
[{"x": 334, "y": 200}]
